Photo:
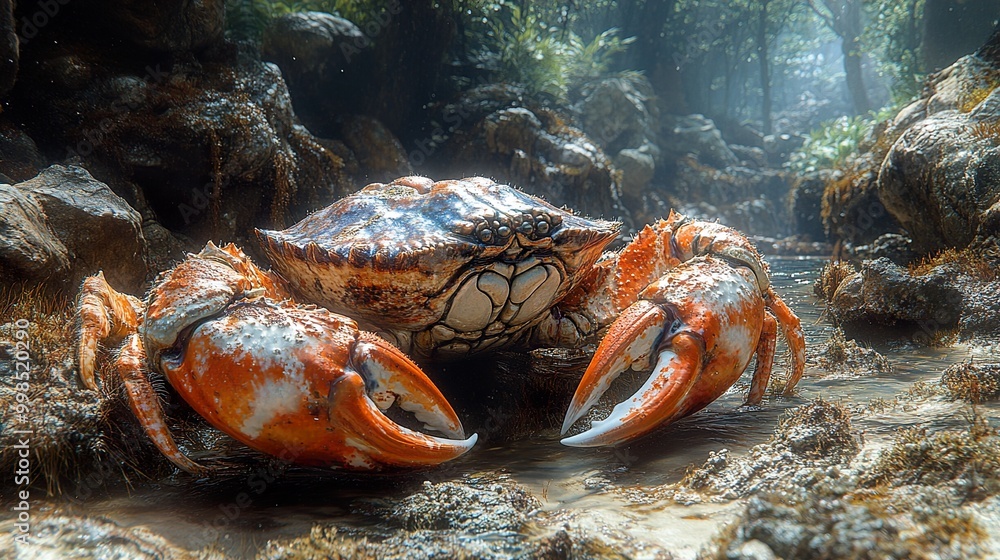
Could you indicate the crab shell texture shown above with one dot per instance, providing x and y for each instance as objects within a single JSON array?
[{"x": 448, "y": 268}]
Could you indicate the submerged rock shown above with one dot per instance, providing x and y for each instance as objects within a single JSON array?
[
  {"x": 810, "y": 441},
  {"x": 974, "y": 382},
  {"x": 93, "y": 538},
  {"x": 846, "y": 357}
]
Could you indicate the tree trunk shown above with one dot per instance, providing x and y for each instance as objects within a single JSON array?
[
  {"x": 850, "y": 27},
  {"x": 645, "y": 20},
  {"x": 765, "y": 73}
]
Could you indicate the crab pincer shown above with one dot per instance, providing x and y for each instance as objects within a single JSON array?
[{"x": 695, "y": 330}]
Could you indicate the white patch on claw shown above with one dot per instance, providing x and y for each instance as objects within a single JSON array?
[{"x": 271, "y": 399}]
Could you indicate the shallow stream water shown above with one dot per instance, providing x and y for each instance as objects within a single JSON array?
[{"x": 562, "y": 477}]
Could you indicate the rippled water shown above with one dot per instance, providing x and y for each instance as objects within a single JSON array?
[{"x": 556, "y": 474}]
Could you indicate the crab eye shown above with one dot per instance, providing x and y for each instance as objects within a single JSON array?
[
  {"x": 485, "y": 235},
  {"x": 503, "y": 231}
]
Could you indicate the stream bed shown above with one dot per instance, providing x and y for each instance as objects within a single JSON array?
[{"x": 237, "y": 517}]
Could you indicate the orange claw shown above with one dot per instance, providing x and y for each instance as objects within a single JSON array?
[
  {"x": 304, "y": 385},
  {"x": 696, "y": 329}
]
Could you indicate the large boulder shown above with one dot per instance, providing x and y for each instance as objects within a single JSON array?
[
  {"x": 29, "y": 250},
  {"x": 698, "y": 136},
  {"x": 326, "y": 62},
  {"x": 210, "y": 148},
  {"x": 620, "y": 114},
  {"x": 499, "y": 132},
  {"x": 942, "y": 175},
  {"x": 64, "y": 225},
  {"x": 380, "y": 155},
  {"x": 938, "y": 161}
]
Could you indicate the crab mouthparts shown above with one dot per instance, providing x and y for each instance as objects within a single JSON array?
[{"x": 386, "y": 377}]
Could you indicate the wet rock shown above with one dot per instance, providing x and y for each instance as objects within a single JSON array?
[
  {"x": 379, "y": 153},
  {"x": 893, "y": 246},
  {"x": 98, "y": 228},
  {"x": 846, "y": 357},
  {"x": 812, "y": 440},
  {"x": 885, "y": 293},
  {"x": 697, "y": 135},
  {"x": 941, "y": 177},
  {"x": 29, "y": 249},
  {"x": 620, "y": 113},
  {"x": 21, "y": 159},
  {"x": 475, "y": 504},
  {"x": 964, "y": 463},
  {"x": 828, "y": 522},
  {"x": 921, "y": 496},
  {"x": 326, "y": 61},
  {"x": 441, "y": 520},
  {"x": 483, "y": 515},
  {"x": 212, "y": 145},
  {"x": 974, "y": 382},
  {"x": 93, "y": 538},
  {"x": 497, "y": 131}
]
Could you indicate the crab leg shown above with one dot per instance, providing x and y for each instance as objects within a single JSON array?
[
  {"x": 695, "y": 329},
  {"x": 105, "y": 314},
  {"x": 146, "y": 405}
]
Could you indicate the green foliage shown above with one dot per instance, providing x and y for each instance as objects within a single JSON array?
[
  {"x": 894, "y": 37},
  {"x": 544, "y": 58},
  {"x": 247, "y": 19},
  {"x": 830, "y": 145}
]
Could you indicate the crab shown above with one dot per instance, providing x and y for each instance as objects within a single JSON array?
[{"x": 303, "y": 360}]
